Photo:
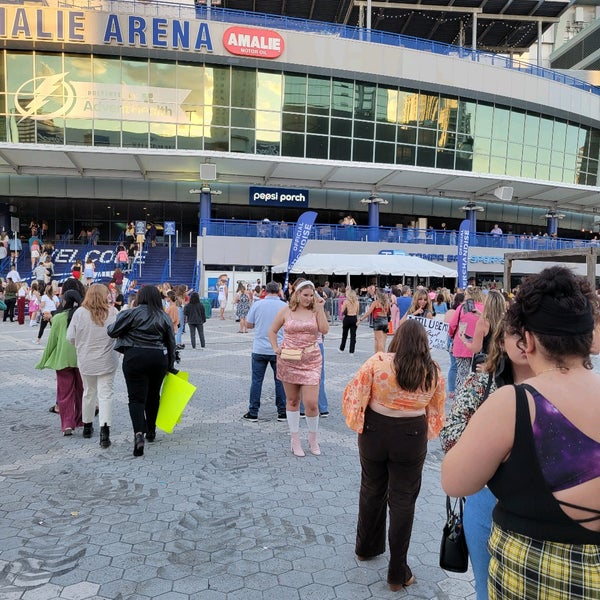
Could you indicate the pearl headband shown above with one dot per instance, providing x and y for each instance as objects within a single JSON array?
[{"x": 304, "y": 284}]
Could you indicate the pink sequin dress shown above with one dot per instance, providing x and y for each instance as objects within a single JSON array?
[{"x": 301, "y": 334}]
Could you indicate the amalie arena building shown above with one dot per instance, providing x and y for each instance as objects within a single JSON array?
[{"x": 407, "y": 117}]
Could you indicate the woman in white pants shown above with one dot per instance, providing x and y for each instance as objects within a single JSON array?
[{"x": 96, "y": 358}]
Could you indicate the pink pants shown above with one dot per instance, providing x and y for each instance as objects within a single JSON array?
[{"x": 69, "y": 392}]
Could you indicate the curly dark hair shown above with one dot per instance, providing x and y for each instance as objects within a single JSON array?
[{"x": 572, "y": 294}]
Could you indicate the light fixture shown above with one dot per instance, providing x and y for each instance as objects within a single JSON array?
[
  {"x": 472, "y": 206},
  {"x": 374, "y": 199}
]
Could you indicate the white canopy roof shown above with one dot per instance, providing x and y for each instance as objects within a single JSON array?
[{"x": 366, "y": 264}]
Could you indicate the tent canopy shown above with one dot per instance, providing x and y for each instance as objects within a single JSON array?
[{"x": 366, "y": 264}]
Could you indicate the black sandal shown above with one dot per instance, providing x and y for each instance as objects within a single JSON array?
[{"x": 54, "y": 409}]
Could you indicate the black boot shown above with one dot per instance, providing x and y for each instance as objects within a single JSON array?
[
  {"x": 151, "y": 435},
  {"x": 104, "y": 436},
  {"x": 138, "y": 445},
  {"x": 88, "y": 429}
]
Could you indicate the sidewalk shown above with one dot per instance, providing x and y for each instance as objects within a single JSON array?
[{"x": 219, "y": 510}]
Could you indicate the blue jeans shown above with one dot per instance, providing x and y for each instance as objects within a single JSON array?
[
  {"x": 259, "y": 368},
  {"x": 322, "y": 394},
  {"x": 451, "y": 383},
  {"x": 477, "y": 519},
  {"x": 181, "y": 324}
]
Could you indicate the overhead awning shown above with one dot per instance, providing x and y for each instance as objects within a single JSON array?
[{"x": 366, "y": 264}]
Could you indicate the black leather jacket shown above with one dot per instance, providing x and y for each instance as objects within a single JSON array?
[{"x": 141, "y": 328}]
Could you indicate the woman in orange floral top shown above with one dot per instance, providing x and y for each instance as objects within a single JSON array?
[{"x": 396, "y": 403}]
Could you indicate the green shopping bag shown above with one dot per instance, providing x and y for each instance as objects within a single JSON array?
[{"x": 174, "y": 396}]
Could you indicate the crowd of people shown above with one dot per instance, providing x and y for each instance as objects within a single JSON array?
[{"x": 521, "y": 436}]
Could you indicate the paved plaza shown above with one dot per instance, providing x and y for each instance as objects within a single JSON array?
[{"x": 219, "y": 510}]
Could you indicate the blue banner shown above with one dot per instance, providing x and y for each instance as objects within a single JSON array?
[
  {"x": 301, "y": 233},
  {"x": 463, "y": 253}
]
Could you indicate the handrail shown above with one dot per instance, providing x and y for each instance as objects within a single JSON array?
[{"x": 175, "y": 10}]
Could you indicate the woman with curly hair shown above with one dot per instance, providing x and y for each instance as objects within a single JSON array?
[{"x": 537, "y": 446}]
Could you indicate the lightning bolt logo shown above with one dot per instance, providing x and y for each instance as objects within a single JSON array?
[{"x": 45, "y": 89}]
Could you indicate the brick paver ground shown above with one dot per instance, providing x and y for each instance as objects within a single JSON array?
[{"x": 219, "y": 510}]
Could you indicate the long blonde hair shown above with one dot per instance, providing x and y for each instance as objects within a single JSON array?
[
  {"x": 294, "y": 297},
  {"x": 352, "y": 299},
  {"x": 96, "y": 302}
]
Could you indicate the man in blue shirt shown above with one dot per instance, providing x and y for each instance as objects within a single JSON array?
[
  {"x": 404, "y": 301},
  {"x": 260, "y": 317}
]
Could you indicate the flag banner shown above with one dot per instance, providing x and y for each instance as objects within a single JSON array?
[
  {"x": 463, "y": 253},
  {"x": 301, "y": 234}
]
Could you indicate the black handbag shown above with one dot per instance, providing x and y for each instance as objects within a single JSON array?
[{"x": 454, "y": 555}]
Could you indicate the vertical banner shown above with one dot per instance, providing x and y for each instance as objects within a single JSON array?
[
  {"x": 463, "y": 253},
  {"x": 301, "y": 233}
]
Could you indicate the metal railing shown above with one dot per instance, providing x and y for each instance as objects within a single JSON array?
[
  {"x": 397, "y": 235},
  {"x": 182, "y": 11}
]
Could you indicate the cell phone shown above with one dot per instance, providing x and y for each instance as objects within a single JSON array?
[{"x": 470, "y": 305}]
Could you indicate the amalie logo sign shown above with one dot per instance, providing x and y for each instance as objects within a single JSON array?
[{"x": 245, "y": 41}]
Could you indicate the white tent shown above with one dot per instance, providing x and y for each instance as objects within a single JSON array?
[{"x": 366, "y": 264}]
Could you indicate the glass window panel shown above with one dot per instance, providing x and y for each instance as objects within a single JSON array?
[
  {"x": 50, "y": 131},
  {"x": 242, "y": 140},
  {"x": 528, "y": 169},
  {"x": 384, "y": 153},
  {"x": 515, "y": 150},
  {"x": 387, "y": 105},
  {"x": 163, "y": 135},
  {"x": 135, "y": 135},
  {"x": 342, "y": 98},
  {"x": 485, "y": 113},
  {"x": 465, "y": 121},
  {"x": 482, "y": 145},
  {"x": 134, "y": 72},
  {"x": 292, "y": 144},
  {"x": 79, "y": 132},
  {"x": 293, "y": 122},
  {"x": 107, "y": 132},
  {"x": 364, "y": 129},
  {"x": 464, "y": 143},
  {"x": 481, "y": 162},
  {"x": 362, "y": 151},
  {"x": 446, "y": 140},
  {"x": 164, "y": 74},
  {"x": 543, "y": 156},
  {"x": 268, "y": 143},
  {"x": 364, "y": 101},
  {"x": 405, "y": 155},
  {"x": 408, "y": 106},
  {"x": 517, "y": 126},
  {"x": 106, "y": 70},
  {"x": 318, "y": 98},
  {"x": 216, "y": 94},
  {"x": 2, "y": 74},
  {"x": 445, "y": 159},
  {"x": 19, "y": 69},
  {"x": 464, "y": 161},
  {"x": 216, "y": 138},
  {"x": 542, "y": 171},
  {"x": 428, "y": 110},
  {"x": 269, "y": 120},
  {"x": 427, "y": 137},
  {"x": 497, "y": 164},
  {"x": 532, "y": 128},
  {"x": 500, "y": 127},
  {"x": 386, "y": 132},
  {"x": 269, "y": 92},
  {"x": 557, "y": 159},
  {"x": 316, "y": 146},
  {"x": 426, "y": 157},
  {"x": 3, "y": 130},
  {"x": 243, "y": 88},
  {"x": 448, "y": 117},
  {"x": 559, "y": 136},
  {"x": 48, "y": 64},
  {"x": 316, "y": 124},
  {"x": 243, "y": 118},
  {"x": 545, "y": 137},
  {"x": 340, "y": 148},
  {"x": 189, "y": 137},
  {"x": 294, "y": 93},
  {"x": 407, "y": 135},
  {"x": 341, "y": 127},
  {"x": 556, "y": 173},
  {"x": 499, "y": 148}
]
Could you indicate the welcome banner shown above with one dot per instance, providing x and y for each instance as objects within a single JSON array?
[
  {"x": 463, "y": 253},
  {"x": 301, "y": 234}
]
